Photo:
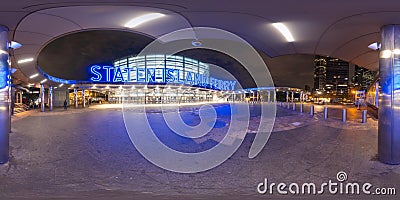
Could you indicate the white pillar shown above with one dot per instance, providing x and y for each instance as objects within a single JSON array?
[
  {"x": 75, "y": 98},
  {"x": 292, "y": 96},
  {"x": 83, "y": 99},
  {"x": 51, "y": 98},
  {"x": 42, "y": 91}
]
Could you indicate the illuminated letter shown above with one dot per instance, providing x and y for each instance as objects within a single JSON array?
[
  {"x": 128, "y": 72},
  {"x": 169, "y": 75},
  {"x": 94, "y": 72},
  {"x": 189, "y": 79},
  {"x": 118, "y": 75},
  {"x": 212, "y": 82},
  {"x": 233, "y": 84},
  {"x": 141, "y": 74},
  {"x": 150, "y": 75},
  {"x": 197, "y": 79},
  {"x": 178, "y": 78},
  {"x": 108, "y": 72}
]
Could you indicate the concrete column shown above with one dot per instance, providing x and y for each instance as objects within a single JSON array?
[
  {"x": 75, "y": 98},
  {"x": 292, "y": 96},
  {"x": 83, "y": 99},
  {"x": 287, "y": 96},
  {"x": 42, "y": 97},
  {"x": 389, "y": 114},
  {"x": 17, "y": 97},
  {"x": 301, "y": 97},
  {"x": 5, "y": 115},
  {"x": 51, "y": 98},
  {"x": 20, "y": 96}
]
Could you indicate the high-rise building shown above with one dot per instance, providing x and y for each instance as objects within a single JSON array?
[
  {"x": 331, "y": 75},
  {"x": 319, "y": 73},
  {"x": 337, "y": 76},
  {"x": 362, "y": 78}
]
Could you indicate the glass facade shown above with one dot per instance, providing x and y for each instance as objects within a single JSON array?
[{"x": 159, "y": 68}]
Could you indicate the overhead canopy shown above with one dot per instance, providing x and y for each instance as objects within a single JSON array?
[{"x": 339, "y": 28}]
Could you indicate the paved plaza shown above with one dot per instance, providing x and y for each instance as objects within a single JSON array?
[{"x": 87, "y": 154}]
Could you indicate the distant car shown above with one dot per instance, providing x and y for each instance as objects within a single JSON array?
[{"x": 321, "y": 102}]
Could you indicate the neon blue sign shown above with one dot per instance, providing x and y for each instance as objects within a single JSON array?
[{"x": 112, "y": 74}]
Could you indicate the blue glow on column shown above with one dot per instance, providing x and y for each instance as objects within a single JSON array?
[
  {"x": 396, "y": 74},
  {"x": 4, "y": 77}
]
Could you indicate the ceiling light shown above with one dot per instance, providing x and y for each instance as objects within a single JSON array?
[
  {"x": 375, "y": 46},
  {"x": 44, "y": 80},
  {"x": 25, "y": 60},
  {"x": 196, "y": 43},
  {"x": 62, "y": 84},
  {"x": 284, "y": 31},
  {"x": 143, "y": 19},
  {"x": 3, "y": 52},
  {"x": 34, "y": 75},
  {"x": 14, "y": 45},
  {"x": 386, "y": 54},
  {"x": 396, "y": 51}
]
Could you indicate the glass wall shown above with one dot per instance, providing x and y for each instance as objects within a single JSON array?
[{"x": 154, "y": 67}]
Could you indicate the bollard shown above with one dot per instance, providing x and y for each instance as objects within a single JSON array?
[
  {"x": 325, "y": 113},
  {"x": 294, "y": 106},
  {"x": 364, "y": 116},
  {"x": 312, "y": 110},
  {"x": 344, "y": 115},
  {"x": 280, "y": 104},
  {"x": 288, "y": 105},
  {"x": 301, "y": 108}
]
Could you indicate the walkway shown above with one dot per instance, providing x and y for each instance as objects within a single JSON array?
[{"x": 86, "y": 154}]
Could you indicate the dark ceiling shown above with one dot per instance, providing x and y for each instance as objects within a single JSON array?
[{"x": 68, "y": 57}]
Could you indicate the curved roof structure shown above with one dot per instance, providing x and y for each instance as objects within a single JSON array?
[{"x": 340, "y": 28}]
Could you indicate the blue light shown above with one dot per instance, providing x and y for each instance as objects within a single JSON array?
[
  {"x": 55, "y": 79},
  {"x": 3, "y": 77}
]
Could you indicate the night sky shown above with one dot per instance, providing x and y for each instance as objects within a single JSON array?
[{"x": 68, "y": 57}]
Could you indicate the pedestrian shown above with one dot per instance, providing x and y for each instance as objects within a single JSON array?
[{"x": 65, "y": 104}]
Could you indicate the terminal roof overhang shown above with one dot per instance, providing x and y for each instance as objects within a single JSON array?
[{"x": 339, "y": 28}]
